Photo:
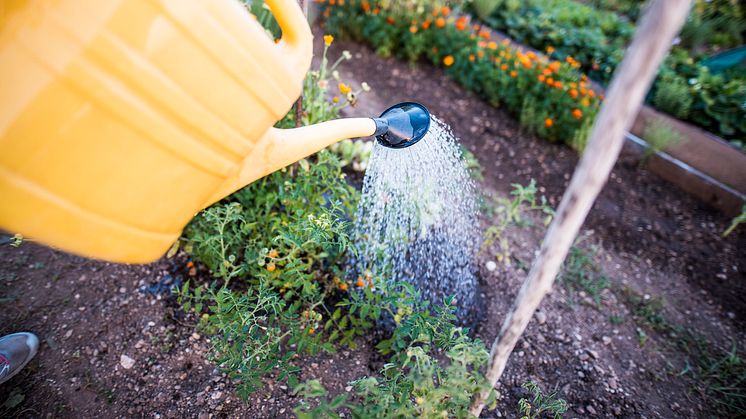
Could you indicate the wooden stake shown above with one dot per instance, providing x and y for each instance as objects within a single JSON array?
[{"x": 653, "y": 38}]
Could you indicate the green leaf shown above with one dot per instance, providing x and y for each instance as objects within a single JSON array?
[
  {"x": 14, "y": 400},
  {"x": 174, "y": 248}
]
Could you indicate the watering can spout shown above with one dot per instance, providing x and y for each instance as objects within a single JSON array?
[{"x": 399, "y": 126}]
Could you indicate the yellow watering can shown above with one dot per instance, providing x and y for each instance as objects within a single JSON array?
[{"x": 120, "y": 119}]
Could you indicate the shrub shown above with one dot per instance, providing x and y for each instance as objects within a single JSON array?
[
  {"x": 672, "y": 96},
  {"x": 561, "y": 99},
  {"x": 596, "y": 40},
  {"x": 414, "y": 383}
]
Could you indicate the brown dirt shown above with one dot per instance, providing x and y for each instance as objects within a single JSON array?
[{"x": 652, "y": 239}]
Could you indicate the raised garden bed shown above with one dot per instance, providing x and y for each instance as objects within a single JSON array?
[{"x": 554, "y": 104}]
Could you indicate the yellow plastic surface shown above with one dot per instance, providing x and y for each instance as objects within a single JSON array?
[{"x": 120, "y": 119}]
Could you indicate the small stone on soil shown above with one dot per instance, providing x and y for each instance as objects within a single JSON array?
[{"x": 126, "y": 362}]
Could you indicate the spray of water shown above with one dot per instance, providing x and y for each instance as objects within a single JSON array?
[{"x": 417, "y": 220}]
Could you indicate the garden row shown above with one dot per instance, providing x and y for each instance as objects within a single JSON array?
[
  {"x": 549, "y": 97},
  {"x": 686, "y": 87},
  {"x": 577, "y": 36},
  {"x": 279, "y": 286}
]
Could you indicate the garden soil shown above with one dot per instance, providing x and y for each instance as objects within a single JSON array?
[{"x": 115, "y": 344}]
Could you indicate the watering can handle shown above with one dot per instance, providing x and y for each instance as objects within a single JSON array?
[{"x": 296, "y": 34}]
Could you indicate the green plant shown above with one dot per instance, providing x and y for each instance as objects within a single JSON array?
[
  {"x": 540, "y": 404},
  {"x": 594, "y": 40},
  {"x": 274, "y": 249},
  {"x": 718, "y": 375},
  {"x": 510, "y": 212},
  {"x": 741, "y": 218},
  {"x": 659, "y": 135},
  {"x": 581, "y": 273},
  {"x": 503, "y": 75},
  {"x": 672, "y": 96},
  {"x": 417, "y": 381}
]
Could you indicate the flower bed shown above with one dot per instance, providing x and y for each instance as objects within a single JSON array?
[
  {"x": 596, "y": 39},
  {"x": 550, "y": 98}
]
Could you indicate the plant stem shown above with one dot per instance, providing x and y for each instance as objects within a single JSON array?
[{"x": 633, "y": 78}]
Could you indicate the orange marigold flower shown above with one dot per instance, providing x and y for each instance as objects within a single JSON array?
[
  {"x": 328, "y": 39},
  {"x": 484, "y": 34},
  {"x": 471, "y": 57},
  {"x": 311, "y": 331},
  {"x": 541, "y": 78},
  {"x": 360, "y": 282},
  {"x": 343, "y": 286},
  {"x": 390, "y": 20},
  {"x": 480, "y": 54},
  {"x": 557, "y": 84},
  {"x": 550, "y": 49},
  {"x": 448, "y": 60},
  {"x": 344, "y": 89},
  {"x": 426, "y": 24},
  {"x": 550, "y": 81},
  {"x": 190, "y": 264},
  {"x": 573, "y": 93},
  {"x": 492, "y": 45},
  {"x": 531, "y": 55},
  {"x": 548, "y": 122},
  {"x": 577, "y": 113},
  {"x": 413, "y": 29},
  {"x": 591, "y": 93},
  {"x": 525, "y": 61},
  {"x": 461, "y": 23},
  {"x": 504, "y": 67},
  {"x": 554, "y": 66},
  {"x": 365, "y": 6},
  {"x": 435, "y": 12},
  {"x": 332, "y": 2},
  {"x": 585, "y": 102},
  {"x": 445, "y": 10},
  {"x": 440, "y": 22},
  {"x": 547, "y": 72},
  {"x": 513, "y": 74},
  {"x": 271, "y": 266},
  {"x": 273, "y": 253},
  {"x": 377, "y": 10}
]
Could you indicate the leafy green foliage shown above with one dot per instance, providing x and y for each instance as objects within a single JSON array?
[
  {"x": 739, "y": 219},
  {"x": 596, "y": 40},
  {"x": 673, "y": 97},
  {"x": 267, "y": 244},
  {"x": 274, "y": 249},
  {"x": 581, "y": 273},
  {"x": 415, "y": 382},
  {"x": 541, "y": 404},
  {"x": 659, "y": 135},
  {"x": 511, "y": 212},
  {"x": 501, "y": 74},
  {"x": 276, "y": 252},
  {"x": 719, "y": 375}
]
